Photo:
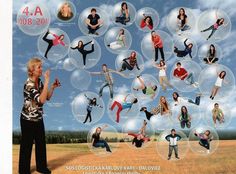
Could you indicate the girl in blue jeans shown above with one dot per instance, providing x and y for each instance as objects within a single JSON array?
[{"x": 96, "y": 142}]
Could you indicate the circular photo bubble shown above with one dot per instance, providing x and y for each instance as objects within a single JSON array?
[
  {"x": 145, "y": 87},
  {"x": 214, "y": 25},
  {"x": 103, "y": 140},
  {"x": 181, "y": 21},
  {"x": 184, "y": 75},
  {"x": 216, "y": 81},
  {"x": 163, "y": 45},
  {"x": 158, "y": 115},
  {"x": 80, "y": 79},
  {"x": 210, "y": 53},
  {"x": 217, "y": 114},
  {"x": 147, "y": 19},
  {"x": 88, "y": 108},
  {"x": 123, "y": 107},
  {"x": 138, "y": 133},
  {"x": 33, "y": 18},
  {"x": 172, "y": 144},
  {"x": 54, "y": 44},
  {"x": 93, "y": 22},
  {"x": 69, "y": 64},
  {"x": 130, "y": 63},
  {"x": 66, "y": 11},
  {"x": 86, "y": 51},
  {"x": 123, "y": 14},
  {"x": 185, "y": 48},
  {"x": 186, "y": 116},
  {"x": 117, "y": 39},
  {"x": 203, "y": 140}
]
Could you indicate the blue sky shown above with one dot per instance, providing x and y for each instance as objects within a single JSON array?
[{"x": 58, "y": 114}]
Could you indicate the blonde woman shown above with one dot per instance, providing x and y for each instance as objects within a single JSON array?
[
  {"x": 164, "y": 82},
  {"x": 32, "y": 126},
  {"x": 65, "y": 13}
]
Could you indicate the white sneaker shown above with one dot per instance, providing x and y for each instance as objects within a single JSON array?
[
  {"x": 208, "y": 151},
  {"x": 92, "y": 42}
]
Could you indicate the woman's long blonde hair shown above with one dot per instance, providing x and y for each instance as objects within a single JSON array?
[{"x": 69, "y": 14}]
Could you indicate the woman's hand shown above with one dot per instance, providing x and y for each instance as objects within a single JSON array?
[
  {"x": 56, "y": 83},
  {"x": 47, "y": 76}
]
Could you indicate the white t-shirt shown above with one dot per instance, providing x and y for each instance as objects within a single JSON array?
[
  {"x": 181, "y": 100},
  {"x": 219, "y": 82},
  {"x": 162, "y": 71}
]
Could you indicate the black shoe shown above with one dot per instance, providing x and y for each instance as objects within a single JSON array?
[
  {"x": 168, "y": 158},
  {"x": 143, "y": 108},
  {"x": 177, "y": 157},
  {"x": 45, "y": 171},
  {"x": 108, "y": 45}
]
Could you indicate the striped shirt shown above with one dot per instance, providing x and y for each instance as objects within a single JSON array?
[{"x": 32, "y": 108}]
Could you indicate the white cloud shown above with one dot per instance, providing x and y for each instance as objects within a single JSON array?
[
  {"x": 122, "y": 89},
  {"x": 228, "y": 6},
  {"x": 108, "y": 9},
  {"x": 228, "y": 44}
]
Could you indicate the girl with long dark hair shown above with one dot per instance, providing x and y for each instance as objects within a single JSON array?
[
  {"x": 146, "y": 22},
  {"x": 184, "y": 118},
  {"x": 124, "y": 14},
  {"x": 211, "y": 55},
  {"x": 80, "y": 48}
]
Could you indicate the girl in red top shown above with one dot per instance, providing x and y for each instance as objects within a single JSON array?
[
  {"x": 146, "y": 21},
  {"x": 158, "y": 45},
  {"x": 53, "y": 42}
]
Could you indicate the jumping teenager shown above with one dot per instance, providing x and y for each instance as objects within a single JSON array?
[
  {"x": 53, "y": 42},
  {"x": 107, "y": 73},
  {"x": 80, "y": 48},
  {"x": 123, "y": 105},
  {"x": 217, "y": 114},
  {"x": 164, "y": 82},
  {"x": 213, "y": 28},
  {"x": 147, "y": 90},
  {"x": 92, "y": 102},
  {"x": 186, "y": 51},
  {"x": 205, "y": 139},
  {"x": 218, "y": 84}
]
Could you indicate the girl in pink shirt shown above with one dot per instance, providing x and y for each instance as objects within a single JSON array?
[
  {"x": 219, "y": 22},
  {"x": 53, "y": 42}
]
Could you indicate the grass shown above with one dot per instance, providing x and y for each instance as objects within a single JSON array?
[{"x": 61, "y": 156}]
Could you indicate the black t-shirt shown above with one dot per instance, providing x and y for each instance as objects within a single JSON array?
[
  {"x": 93, "y": 20},
  {"x": 96, "y": 138},
  {"x": 183, "y": 20}
]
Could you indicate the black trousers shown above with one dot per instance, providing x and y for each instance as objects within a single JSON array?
[
  {"x": 88, "y": 116},
  {"x": 32, "y": 132},
  {"x": 162, "y": 54},
  {"x": 50, "y": 44}
]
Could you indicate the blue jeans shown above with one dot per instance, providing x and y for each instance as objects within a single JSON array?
[
  {"x": 196, "y": 102},
  {"x": 186, "y": 27},
  {"x": 110, "y": 88},
  {"x": 213, "y": 30},
  {"x": 102, "y": 143},
  {"x": 189, "y": 79}
]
